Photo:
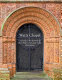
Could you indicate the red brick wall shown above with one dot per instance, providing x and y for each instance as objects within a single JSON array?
[
  {"x": 7, "y": 8},
  {"x": 7, "y": 48}
]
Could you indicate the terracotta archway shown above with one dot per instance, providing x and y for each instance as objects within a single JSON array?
[{"x": 46, "y": 22}]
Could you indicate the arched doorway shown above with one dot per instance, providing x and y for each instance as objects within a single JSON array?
[
  {"x": 46, "y": 22},
  {"x": 29, "y": 48}
]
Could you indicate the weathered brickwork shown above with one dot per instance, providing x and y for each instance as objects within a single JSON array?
[
  {"x": 39, "y": 14},
  {"x": 4, "y": 74},
  {"x": 7, "y": 8}
]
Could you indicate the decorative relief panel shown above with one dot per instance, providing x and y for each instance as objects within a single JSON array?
[
  {"x": 52, "y": 49},
  {"x": 8, "y": 52},
  {"x": 49, "y": 53},
  {"x": 56, "y": 52}
]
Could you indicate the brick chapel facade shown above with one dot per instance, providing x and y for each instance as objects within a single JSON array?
[{"x": 47, "y": 15}]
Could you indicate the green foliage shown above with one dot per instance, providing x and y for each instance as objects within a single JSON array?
[{"x": 57, "y": 74}]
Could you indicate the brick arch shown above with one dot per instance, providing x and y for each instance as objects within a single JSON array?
[
  {"x": 45, "y": 21},
  {"x": 27, "y": 12}
]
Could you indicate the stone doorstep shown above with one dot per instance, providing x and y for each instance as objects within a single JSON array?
[
  {"x": 4, "y": 69},
  {"x": 32, "y": 79},
  {"x": 30, "y": 76},
  {"x": 4, "y": 74},
  {"x": 4, "y": 79}
]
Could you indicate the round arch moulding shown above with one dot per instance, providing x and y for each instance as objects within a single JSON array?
[{"x": 43, "y": 18}]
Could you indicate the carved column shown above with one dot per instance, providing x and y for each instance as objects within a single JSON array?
[
  {"x": 52, "y": 52},
  {"x": 1, "y": 50},
  {"x": 9, "y": 53},
  {"x": 61, "y": 40}
]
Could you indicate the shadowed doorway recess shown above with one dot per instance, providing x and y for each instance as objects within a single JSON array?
[{"x": 29, "y": 48}]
